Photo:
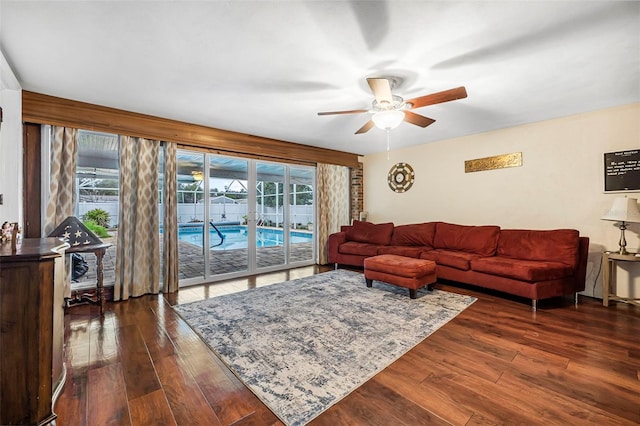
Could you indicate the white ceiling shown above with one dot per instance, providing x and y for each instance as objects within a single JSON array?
[{"x": 267, "y": 67}]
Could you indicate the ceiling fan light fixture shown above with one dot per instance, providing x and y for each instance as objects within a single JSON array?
[
  {"x": 387, "y": 120},
  {"x": 389, "y": 110}
]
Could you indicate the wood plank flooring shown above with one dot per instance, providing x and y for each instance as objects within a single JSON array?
[{"x": 496, "y": 363}]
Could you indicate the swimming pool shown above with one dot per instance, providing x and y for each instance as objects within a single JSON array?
[{"x": 236, "y": 237}]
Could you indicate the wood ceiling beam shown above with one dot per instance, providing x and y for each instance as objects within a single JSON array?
[{"x": 45, "y": 109}]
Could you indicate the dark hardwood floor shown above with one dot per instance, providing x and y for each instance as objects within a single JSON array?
[{"x": 496, "y": 363}]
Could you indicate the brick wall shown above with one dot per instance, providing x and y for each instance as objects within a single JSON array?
[{"x": 357, "y": 191}]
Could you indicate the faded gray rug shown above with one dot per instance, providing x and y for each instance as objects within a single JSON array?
[{"x": 303, "y": 345}]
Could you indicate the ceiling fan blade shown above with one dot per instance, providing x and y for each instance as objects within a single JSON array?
[
  {"x": 353, "y": 111},
  {"x": 367, "y": 126},
  {"x": 417, "y": 119},
  {"x": 381, "y": 89},
  {"x": 438, "y": 98}
]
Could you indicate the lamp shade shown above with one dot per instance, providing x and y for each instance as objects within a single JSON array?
[
  {"x": 388, "y": 120},
  {"x": 623, "y": 210}
]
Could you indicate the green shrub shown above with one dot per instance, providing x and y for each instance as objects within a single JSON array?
[
  {"x": 98, "y": 216},
  {"x": 100, "y": 231}
]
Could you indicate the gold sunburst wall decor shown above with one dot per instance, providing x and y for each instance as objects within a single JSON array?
[
  {"x": 491, "y": 163},
  {"x": 401, "y": 177}
]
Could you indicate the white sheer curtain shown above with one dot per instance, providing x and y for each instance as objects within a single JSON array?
[{"x": 333, "y": 204}]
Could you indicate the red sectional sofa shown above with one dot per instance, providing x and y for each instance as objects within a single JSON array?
[{"x": 527, "y": 263}]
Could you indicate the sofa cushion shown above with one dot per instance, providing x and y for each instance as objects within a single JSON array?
[
  {"x": 455, "y": 259},
  {"x": 481, "y": 240},
  {"x": 420, "y": 234},
  {"x": 560, "y": 245},
  {"x": 430, "y": 255},
  {"x": 372, "y": 233},
  {"x": 361, "y": 249},
  {"x": 403, "y": 251},
  {"x": 524, "y": 270}
]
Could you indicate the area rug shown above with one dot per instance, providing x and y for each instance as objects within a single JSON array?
[{"x": 303, "y": 345}]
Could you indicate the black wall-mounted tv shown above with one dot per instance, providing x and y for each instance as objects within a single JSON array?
[{"x": 622, "y": 171}]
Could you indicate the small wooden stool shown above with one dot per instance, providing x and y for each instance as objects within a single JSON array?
[{"x": 402, "y": 271}]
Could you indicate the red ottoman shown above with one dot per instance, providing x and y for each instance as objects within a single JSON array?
[{"x": 401, "y": 271}]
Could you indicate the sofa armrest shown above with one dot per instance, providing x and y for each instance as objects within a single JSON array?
[{"x": 333, "y": 243}]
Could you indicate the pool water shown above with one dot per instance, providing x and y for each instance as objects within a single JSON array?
[{"x": 236, "y": 237}]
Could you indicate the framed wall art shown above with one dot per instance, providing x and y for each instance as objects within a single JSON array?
[{"x": 622, "y": 171}]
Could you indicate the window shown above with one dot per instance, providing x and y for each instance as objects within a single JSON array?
[{"x": 97, "y": 186}]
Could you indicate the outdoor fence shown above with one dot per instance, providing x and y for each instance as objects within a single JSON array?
[{"x": 300, "y": 216}]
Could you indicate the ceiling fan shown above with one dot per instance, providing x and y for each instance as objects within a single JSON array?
[{"x": 390, "y": 110}]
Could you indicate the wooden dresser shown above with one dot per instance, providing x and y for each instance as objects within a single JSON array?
[{"x": 31, "y": 330}]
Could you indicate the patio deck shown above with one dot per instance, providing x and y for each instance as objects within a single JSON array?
[{"x": 191, "y": 264}]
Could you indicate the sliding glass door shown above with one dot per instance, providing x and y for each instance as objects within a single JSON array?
[
  {"x": 191, "y": 214},
  {"x": 301, "y": 214},
  {"x": 228, "y": 215},
  {"x": 270, "y": 218},
  {"x": 246, "y": 216}
]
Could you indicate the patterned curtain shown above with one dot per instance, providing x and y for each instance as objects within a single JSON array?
[
  {"x": 138, "y": 248},
  {"x": 170, "y": 223},
  {"x": 62, "y": 188},
  {"x": 333, "y": 204}
]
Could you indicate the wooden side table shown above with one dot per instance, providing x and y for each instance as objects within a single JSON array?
[
  {"x": 99, "y": 250},
  {"x": 609, "y": 261}
]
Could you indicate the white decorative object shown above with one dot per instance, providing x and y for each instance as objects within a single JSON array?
[{"x": 623, "y": 210}]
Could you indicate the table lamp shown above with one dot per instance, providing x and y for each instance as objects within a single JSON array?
[{"x": 624, "y": 210}]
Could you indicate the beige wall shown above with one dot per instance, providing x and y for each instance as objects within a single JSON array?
[{"x": 560, "y": 184}]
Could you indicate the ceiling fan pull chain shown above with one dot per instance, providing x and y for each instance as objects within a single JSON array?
[{"x": 388, "y": 137}]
